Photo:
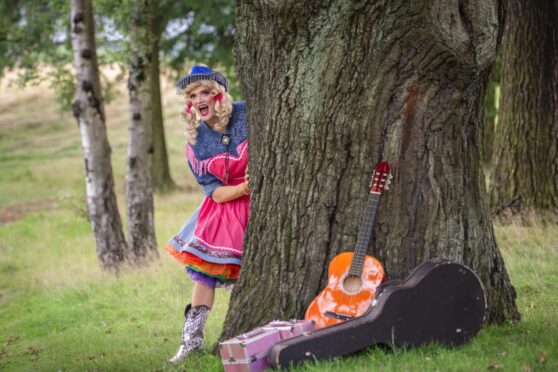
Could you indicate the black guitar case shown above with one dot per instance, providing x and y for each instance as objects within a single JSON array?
[{"x": 441, "y": 301}]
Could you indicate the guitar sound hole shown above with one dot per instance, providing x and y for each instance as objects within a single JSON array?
[{"x": 352, "y": 283}]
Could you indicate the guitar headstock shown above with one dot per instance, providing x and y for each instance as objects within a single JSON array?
[{"x": 381, "y": 178}]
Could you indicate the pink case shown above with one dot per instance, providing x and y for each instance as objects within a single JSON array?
[
  {"x": 302, "y": 326},
  {"x": 248, "y": 352},
  {"x": 248, "y": 345},
  {"x": 255, "y": 364}
]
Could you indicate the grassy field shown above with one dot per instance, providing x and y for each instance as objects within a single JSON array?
[{"x": 58, "y": 312}]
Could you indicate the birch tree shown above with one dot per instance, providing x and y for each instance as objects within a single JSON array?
[
  {"x": 142, "y": 245},
  {"x": 89, "y": 112}
]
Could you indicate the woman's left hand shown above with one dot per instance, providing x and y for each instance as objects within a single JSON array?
[
  {"x": 246, "y": 186},
  {"x": 246, "y": 176}
]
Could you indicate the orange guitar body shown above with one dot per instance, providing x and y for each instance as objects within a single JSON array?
[{"x": 346, "y": 296}]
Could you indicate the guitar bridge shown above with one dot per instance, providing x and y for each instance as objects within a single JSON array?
[{"x": 331, "y": 314}]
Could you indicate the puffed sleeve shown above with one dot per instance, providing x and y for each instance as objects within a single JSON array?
[
  {"x": 198, "y": 168},
  {"x": 207, "y": 180}
]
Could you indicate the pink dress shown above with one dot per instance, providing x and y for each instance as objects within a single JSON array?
[{"x": 210, "y": 243}]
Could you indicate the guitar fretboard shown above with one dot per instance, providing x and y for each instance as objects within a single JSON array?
[{"x": 364, "y": 234}]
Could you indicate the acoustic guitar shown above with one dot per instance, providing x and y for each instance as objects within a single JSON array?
[
  {"x": 440, "y": 301},
  {"x": 353, "y": 277}
]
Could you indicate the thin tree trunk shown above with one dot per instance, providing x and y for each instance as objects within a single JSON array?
[
  {"x": 525, "y": 176},
  {"x": 334, "y": 87},
  {"x": 160, "y": 171},
  {"x": 139, "y": 196},
  {"x": 89, "y": 112}
]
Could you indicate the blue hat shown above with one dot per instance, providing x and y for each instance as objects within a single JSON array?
[{"x": 202, "y": 73}]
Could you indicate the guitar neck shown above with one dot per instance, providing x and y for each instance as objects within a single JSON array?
[{"x": 365, "y": 234}]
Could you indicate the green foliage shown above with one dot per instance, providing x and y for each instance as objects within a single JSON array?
[
  {"x": 190, "y": 32},
  {"x": 31, "y": 32},
  {"x": 34, "y": 34},
  {"x": 35, "y": 38}
]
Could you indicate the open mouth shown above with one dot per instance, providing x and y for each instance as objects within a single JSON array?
[{"x": 203, "y": 109}]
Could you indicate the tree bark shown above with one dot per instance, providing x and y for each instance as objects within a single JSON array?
[
  {"x": 142, "y": 245},
  {"x": 160, "y": 171},
  {"x": 332, "y": 88},
  {"x": 525, "y": 176},
  {"x": 89, "y": 112}
]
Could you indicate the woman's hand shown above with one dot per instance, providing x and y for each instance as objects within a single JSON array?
[
  {"x": 246, "y": 183},
  {"x": 223, "y": 194}
]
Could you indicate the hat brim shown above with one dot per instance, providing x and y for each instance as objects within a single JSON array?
[{"x": 217, "y": 76}]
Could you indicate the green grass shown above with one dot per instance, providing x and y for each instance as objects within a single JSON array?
[{"x": 59, "y": 312}]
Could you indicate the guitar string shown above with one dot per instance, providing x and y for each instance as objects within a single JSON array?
[
  {"x": 360, "y": 253},
  {"x": 370, "y": 216},
  {"x": 365, "y": 234}
]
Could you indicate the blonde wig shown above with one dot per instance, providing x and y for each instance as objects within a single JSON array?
[{"x": 192, "y": 120}]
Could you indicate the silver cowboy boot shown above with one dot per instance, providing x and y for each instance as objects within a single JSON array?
[{"x": 192, "y": 332}]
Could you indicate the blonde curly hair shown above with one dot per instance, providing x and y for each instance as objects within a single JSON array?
[{"x": 192, "y": 120}]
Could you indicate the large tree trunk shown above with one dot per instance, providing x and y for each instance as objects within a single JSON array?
[
  {"x": 89, "y": 112},
  {"x": 525, "y": 176},
  {"x": 160, "y": 171},
  {"x": 139, "y": 196},
  {"x": 334, "y": 87}
]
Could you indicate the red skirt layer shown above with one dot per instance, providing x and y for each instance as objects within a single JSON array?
[{"x": 226, "y": 272}]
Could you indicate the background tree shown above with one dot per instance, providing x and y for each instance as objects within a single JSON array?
[
  {"x": 332, "y": 88},
  {"x": 142, "y": 244},
  {"x": 161, "y": 179},
  {"x": 525, "y": 173},
  {"x": 89, "y": 112}
]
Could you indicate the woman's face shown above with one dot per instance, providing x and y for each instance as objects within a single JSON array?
[{"x": 203, "y": 102}]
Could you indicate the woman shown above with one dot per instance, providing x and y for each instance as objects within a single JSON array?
[{"x": 210, "y": 244}]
